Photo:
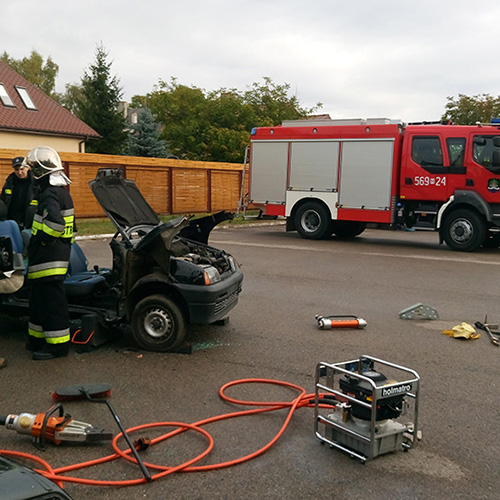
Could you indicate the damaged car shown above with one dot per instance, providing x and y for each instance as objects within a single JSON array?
[{"x": 164, "y": 276}]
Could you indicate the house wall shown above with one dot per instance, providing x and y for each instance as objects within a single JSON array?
[
  {"x": 17, "y": 140},
  {"x": 170, "y": 186}
]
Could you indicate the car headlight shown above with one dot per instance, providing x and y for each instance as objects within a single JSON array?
[
  {"x": 211, "y": 275},
  {"x": 232, "y": 263}
]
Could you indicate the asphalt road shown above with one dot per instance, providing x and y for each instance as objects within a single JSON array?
[{"x": 272, "y": 334}]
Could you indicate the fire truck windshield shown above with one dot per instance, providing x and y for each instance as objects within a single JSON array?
[{"x": 486, "y": 151}]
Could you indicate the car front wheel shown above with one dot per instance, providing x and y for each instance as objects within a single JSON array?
[{"x": 158, "y": 324}]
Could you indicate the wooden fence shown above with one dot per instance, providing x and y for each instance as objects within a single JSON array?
[{"x": 170, "y": 186}]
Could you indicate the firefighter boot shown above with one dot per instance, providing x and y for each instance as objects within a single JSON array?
[
  {"x": 51, "y": 351},
  {"x": 34, "y": 344}
]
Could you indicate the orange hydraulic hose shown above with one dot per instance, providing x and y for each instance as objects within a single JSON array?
[{"x": 302, "y": 400}]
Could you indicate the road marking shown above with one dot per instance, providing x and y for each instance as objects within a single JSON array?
[{"x": 446, "y": 258}]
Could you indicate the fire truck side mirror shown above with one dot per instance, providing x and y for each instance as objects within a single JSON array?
[{"x": 496, "y": 141}]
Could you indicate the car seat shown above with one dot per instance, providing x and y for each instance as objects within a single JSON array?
[
  {"x": 80, "y": 281},
  {"x": 9, "y": 229}
]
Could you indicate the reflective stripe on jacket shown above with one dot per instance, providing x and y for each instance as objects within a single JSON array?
[
  {"x": 52, "y": 234},
  {"x": 41, "y": 222}
]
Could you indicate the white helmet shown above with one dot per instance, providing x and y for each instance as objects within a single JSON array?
[{"x": 42, "y": 161}]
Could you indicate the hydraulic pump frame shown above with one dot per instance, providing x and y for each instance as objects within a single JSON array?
[{"x": 374, "y": 434}]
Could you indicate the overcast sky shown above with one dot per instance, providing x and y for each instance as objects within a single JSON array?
[{"x": 399, "y": 59}]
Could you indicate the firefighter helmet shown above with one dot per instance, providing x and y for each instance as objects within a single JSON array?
[{"x": 43, "y": 160}]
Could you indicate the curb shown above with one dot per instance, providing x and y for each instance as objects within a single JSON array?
[{"x": 227, "y": 226}]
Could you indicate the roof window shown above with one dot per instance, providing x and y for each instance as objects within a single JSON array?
[
  {"x": 5, "y": 97},
  {"x": 23, "y": 94}
]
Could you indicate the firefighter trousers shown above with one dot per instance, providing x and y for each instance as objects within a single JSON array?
[{"x": 48, "y": 312}]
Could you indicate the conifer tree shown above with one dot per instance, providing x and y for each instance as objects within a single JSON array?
[
  {"x": 144, "y": 139},
  {"x": 97, "y": 106}
]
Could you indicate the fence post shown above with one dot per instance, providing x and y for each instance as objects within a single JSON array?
[
  {"x": 170, "y": 193},
  {"x": 209, "y": 189}
]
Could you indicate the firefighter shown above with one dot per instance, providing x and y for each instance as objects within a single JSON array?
[
  {"x": 18, "y": 194},
  {"x": 48, "y": 257}
]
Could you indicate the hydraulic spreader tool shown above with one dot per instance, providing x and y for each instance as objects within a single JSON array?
[{"x": 55, "y": 426}]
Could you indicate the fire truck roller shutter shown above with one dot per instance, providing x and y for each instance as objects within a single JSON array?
[
  {"x": 366, "y": 173},
  {"x": 269, "y": 171}
]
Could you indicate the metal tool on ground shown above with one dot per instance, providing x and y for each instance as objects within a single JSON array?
[
  {"x": 485, "y": 327},
  {"x": 340, "y": 321},
  {"x": 72, "y": 392},
  {"x": 54, "y": 426},
  {"x": 419, "y": 311},
  {"x": 89, "y": 392},
  {"x": 358, "y": 408}
]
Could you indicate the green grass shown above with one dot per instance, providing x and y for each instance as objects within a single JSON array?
[
  {"x": 103, "y": 225},
  {"x": 94, "y": 226}
]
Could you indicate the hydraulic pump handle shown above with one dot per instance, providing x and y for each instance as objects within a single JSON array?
[{"x": 144, "y": 471}]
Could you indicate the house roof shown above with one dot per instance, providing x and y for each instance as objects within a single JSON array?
[{"x": 49, "y": 117}]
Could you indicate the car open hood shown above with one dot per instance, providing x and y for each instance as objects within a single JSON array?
[
  {"x": 199, "y": 229},
  {"x": 124, "y": 204},
  {"x": 121, "y": 200}
]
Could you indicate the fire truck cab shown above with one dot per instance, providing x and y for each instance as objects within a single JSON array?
[{"x": 336, "y": 176}]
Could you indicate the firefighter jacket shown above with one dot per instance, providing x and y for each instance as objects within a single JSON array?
[
  {"x": 52, "y": 233},
  {"x": 20, "y": 199}
]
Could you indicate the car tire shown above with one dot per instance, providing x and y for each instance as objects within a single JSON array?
[
  {"x": 313, "y": 221},
  {"x": 158, "y": 324},
  {"x": 464, "y": 230}
]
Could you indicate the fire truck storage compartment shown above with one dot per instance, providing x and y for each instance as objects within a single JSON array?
[
  {"x": 314, "y": 165},
  {"x": 366, "y": 174},
  {"x": 269, "y": 172}
]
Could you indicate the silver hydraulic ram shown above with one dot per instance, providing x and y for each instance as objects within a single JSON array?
[{"x": 340, "y": 321}]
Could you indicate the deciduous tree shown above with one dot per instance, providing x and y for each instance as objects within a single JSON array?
[
  {"x": 216, "y": 125},
  {"x": 468, "y": 110},
  {"x": 37, "y": 71}
]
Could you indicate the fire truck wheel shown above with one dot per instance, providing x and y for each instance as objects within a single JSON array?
[
  {"x": 464, "y": 230},
  {"x": 158, "y": 324},
  {"x": 313, "y": 221}
]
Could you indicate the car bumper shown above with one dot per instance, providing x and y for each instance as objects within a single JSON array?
[{"x": 207, "y": 304}]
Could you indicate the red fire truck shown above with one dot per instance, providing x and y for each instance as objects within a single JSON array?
[{"x": 335, "y": 176}]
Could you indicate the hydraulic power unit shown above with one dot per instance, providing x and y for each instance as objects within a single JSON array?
[{"x": 366, "y": 407}]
